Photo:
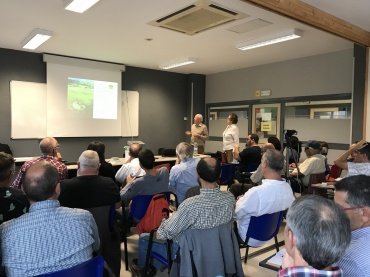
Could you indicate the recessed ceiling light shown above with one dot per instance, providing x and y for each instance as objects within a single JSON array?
[
  {"x": 79, "y": 6},
  {"x": 288, "y": 35},
  {"x": 36, "y": 38},
  {"x": 178, "y": 63}
]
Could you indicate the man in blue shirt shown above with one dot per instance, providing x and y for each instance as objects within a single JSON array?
[
  {"x": 183, "y": 175},
  {"x": 49, "y": 238},
  {"x": 353, "y": 195}
]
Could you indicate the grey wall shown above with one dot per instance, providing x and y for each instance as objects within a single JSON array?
[
  {"x": 164, "y": 100},
  {"x": 322, "y": 74}
]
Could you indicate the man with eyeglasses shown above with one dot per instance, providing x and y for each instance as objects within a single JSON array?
[
  {"x": 316, "y": 235},
  {"x": 360, "y": 159},
  {"x": 353, "y": 195},
  {"x": 49, "y": 148}
]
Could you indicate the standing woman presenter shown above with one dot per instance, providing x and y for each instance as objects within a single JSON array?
[{"x": 230, "y": 137}]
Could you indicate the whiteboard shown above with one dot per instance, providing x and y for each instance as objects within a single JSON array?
[{"x": 29, "y": 111}]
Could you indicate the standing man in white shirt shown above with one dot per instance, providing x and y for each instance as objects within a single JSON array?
[
  {"x": 274, "y": 195},
  {"x": 198, "y": 133},
  {"x": 131, "y": 168},
  {"x": 230, "y": 137}
]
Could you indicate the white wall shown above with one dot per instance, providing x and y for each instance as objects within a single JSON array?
[{"x": 316, "y": 75}]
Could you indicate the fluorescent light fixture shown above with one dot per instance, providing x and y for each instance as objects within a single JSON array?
[
  {"x": 79, "y": 6},
  {"x": 292, "y": 34},
  {"x": 178, "y": 63},
  {"x": 36, "y": 38}
]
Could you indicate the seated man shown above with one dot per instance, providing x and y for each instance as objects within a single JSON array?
[
  {"x": 153, "y": 182},
  {"x": 49, "y": 148},
  {"x": 48, "y": 238},
  {"x": 210, "y": 209},
  {"x": 183, "y": 175},
  {"x": 88, "y": 189},
  {"x": 316, "y": 235},
  {"x": 314, "y": 164},
  {"x": 238, "y": 189},
  {"x": 274, "y": 195},
  {"x": 360, "y": 153},
  {"x": 353, "y": 195},
  {"x": 13, "y": 202},
  {"x": 250, "y": 157},
  {"x": 131, "y": 167}
]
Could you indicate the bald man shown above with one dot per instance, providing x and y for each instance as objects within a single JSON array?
[
  {"x": 49, "y": 237},
  {"x": 49, "y": 147},
  {"x": 198, "y": 133},
  {"x": 88, "y": 189}
]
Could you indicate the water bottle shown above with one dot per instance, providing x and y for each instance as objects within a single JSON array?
[
  {"x": 126, "y": 149},
  {"x": 195, "y": 148}
]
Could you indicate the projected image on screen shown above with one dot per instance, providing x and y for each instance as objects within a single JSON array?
[
  {"x": 81, "y": 95},
  {"x": 92, "y": 99}
]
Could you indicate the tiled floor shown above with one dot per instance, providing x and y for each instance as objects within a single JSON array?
[{"x": 250, "y": 270}]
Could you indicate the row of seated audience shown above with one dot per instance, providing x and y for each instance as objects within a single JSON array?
[{"x": 41, "y": 240}]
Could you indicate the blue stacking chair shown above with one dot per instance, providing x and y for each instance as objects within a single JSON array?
[
  {"x": 139, "y": 205},
  {"x": 90, "y": 268},
  {"x": 227, "y": 174},
  {"x": 263, "y": 228}
]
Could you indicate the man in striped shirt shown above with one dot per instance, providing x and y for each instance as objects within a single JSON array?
[{"x": 353, "y": 195}]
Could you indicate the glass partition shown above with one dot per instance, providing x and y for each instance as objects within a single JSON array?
[{"x": 328, "y": 121}]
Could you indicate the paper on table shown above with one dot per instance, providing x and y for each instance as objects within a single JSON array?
[{"x": 277, "y": 259}]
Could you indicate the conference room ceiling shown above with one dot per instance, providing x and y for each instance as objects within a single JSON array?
[{"x": 119, "y": 31}]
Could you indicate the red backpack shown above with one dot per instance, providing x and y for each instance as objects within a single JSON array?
[{"x": 157, "y": 210}]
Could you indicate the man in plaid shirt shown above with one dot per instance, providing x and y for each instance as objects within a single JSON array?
[
  {"x": 49, "y": 148},
  {"x": 316, "y": 235}
]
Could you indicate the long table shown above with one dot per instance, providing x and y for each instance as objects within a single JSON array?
[{"x": 117, "y": 162}]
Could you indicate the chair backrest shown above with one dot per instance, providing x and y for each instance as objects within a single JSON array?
[
  {"x": 140, "y": 203},
  {"x": 264, "y": 227},
  {"x": 165, "y": 165},
  {"x": 91, "y": 268},
  {"x": 110, "y": 242},
  {"x": 317, "y": 178},
  {"x": 335, "y": 171},
  {"x": 314, "y": 179},
  {"x": 227, "y": 173}
]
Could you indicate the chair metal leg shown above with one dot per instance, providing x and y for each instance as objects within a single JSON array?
[
  {"x": 125, "y": 228},
  {"x": 126, "y": 251},
  {"x": 246, "y": 254},
  {"x": 276, "y": 244},
  {"x": 148, "y": 253},
  {"x": 169, "y": 255}
]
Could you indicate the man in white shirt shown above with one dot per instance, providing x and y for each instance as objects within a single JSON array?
[
  {"x": 314, "y": 164},
  {"x": 360, "y": 154},
  {"x": 274, "y": 195},
  {"x": 131, "y": 167}
]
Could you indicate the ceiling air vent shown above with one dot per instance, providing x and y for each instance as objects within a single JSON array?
[{"x": 197, "y": 17}]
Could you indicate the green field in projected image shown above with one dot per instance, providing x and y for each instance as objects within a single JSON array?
[{"x": 80, "y": 95}]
